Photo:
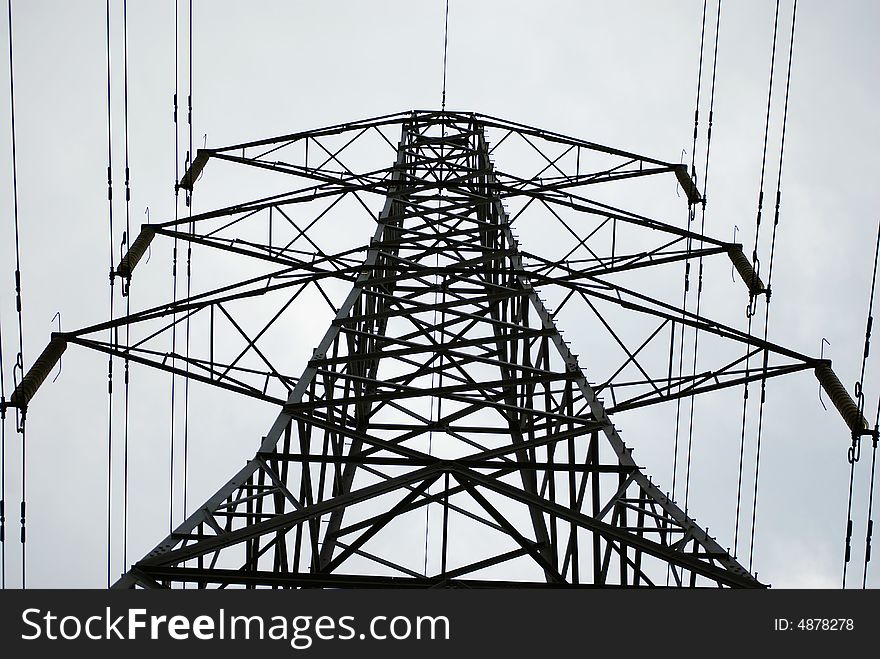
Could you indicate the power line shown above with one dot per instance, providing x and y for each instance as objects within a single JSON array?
[
  {"x": 781, "y": 154},
  {"x": 687, "y": 269},
  {"x": 750, "y": 312},
  {"x": 755, "y": 260},
  {"x": 870, "y": 526},
  {"x": 445, "y": 49},
  {"x": 126, "y": 286},
  {"x": 18, "y": 298},
  {"x": 188, "y": 273},
  {"x": 687, "y": 264},
  {"x": 2, "y": 464},
  {"x": 110, "y": 331},
  {"x": 753, "y": 293},
  {"x": 174, "y": 262},
  {"x": 700, "y": 260},
  {"x": 854, "y": 452},
  {"x": 770, "y": 265},
  {"x": 18, "y": 303},
  {"x": 2, "y": 361},
  {"x": 742, "y": 440},
  {"x": 699, "y": 91},
  {"x": 849, "y": 524}
]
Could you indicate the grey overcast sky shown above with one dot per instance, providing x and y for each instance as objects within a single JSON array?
[{"x": 617, "y": 73}]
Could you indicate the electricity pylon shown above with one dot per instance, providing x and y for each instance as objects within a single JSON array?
[{"x": 442, "y": 415}]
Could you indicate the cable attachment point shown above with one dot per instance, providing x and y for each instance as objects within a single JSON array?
[
  {"x": 854, "y": 452},
  {"x": 17, "y": 378},
  {"x": 848, "y": 551},
  {"x": 868, "y": 541},
  {"x": 751, "y": 307},
  {"x": 732, "y": 266},
  {"x": 58, "y": 316},
  {"x": 822, "y": 356},
  {"x": 126, "y": 277},
  {"x": 860, "y": 397},
  {"x": 149, "y": 246}
]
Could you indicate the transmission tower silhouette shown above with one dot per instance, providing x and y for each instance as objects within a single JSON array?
[{"x": 442, "y": 434}]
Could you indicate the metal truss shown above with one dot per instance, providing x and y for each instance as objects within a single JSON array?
[{"x": 442, "y": 383}]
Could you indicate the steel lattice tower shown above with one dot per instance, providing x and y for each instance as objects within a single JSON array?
[{"x": 442, "y": 381}]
